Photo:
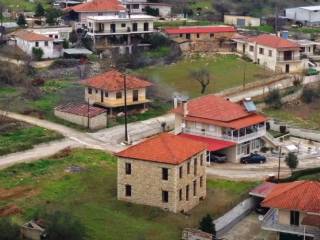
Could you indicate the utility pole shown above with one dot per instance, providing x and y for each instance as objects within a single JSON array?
[
  {"x": 1, "y": 23},
  {"x": 244, "y": 74},
  {"x": 88, "y": 109},
  {"x": 276, "y": 19},
  {"x": 279, "y": 164},
  {"x": 125, "y": 109}
]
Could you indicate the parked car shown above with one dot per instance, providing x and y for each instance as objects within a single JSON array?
[
  {"x": 218, "y": 157},
  {"x": 261, "y": 210},
  {"x": 253, "y": 158}
]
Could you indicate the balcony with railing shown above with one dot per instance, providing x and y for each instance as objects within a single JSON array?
[
  {"x": 239, "y": 136},
  {"x": 270, "y": 222},
  {"x": 288, "y": 56}
]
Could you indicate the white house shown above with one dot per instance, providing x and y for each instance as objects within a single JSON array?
[
  {"x": 120, "y": 31},
  {"x": 242, "y": 21},
  {"x": 309, "y": 15},
  {"x": 230, "y": 128},
  {"x": 27, "y": 40},
  {"x": 80, "y": 13},
  {"x": 139, "y": 7},
  {"x": 273, "y": 52},
  {"x": 58, "y": 33}
]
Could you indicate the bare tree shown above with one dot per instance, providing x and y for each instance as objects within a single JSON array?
[{"x": 203, "y": 76}]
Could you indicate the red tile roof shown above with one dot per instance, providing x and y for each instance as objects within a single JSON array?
[
  {"x": 217, "y": 110},
  {"x": 263, "y": 189},
  {"x": 213, "y": 144},
  {"x": 164, "y": 148},
  {"x": 114, "y": 81},
  {"x": 299, "y": 196},
  {"x": 273, "y": 41},
  {"x": 98, "y": 6},
  {"x": 80, "y": 110},
  {"x": 200, "y": 29},
  {"x": 31, "y": 36}
]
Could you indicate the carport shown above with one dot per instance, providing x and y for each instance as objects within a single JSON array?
[{"x": 216, "y": 145}]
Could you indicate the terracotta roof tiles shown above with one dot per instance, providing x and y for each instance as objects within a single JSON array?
[
  {"x": 31, "y": 36},
  {"x": 164, "y": 148},
  {"x": 299, "y": 196},
  {"x": 80, "y": 109},
  {"x": 114, "y": 81},
  {"x": 98, "y": 6},
  {"x": 273, "y": 41}
]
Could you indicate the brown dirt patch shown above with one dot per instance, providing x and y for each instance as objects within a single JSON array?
[
  {"x": 17, "y": 192},
  {"x": 10, "y": 210}
]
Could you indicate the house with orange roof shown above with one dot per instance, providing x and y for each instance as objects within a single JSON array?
[
  {"x": 233, "y": 129},
  {"x": 165, "y": 171},
  {"x": 275, "y": 53},
  {"x": 294, "y": 210},
  {"x": 107, "y": 90},
  {"x": 28, "y": 40}
]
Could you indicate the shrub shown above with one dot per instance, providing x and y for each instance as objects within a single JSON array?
[
  {"x": 308, "y": 95},
  {"x": 63, "y": 226},
  {"x": 158, "y": 40},
  {"x": 37, "y": 53},
  {"x": 8, "y": 230},
  {"x": 206, "y": 224},
  {"x": 87, "y": 42},
  {"x": 73, "y": 37},
  {"x": 65, "y": 44},
  {"x": 274, "y": 99}
]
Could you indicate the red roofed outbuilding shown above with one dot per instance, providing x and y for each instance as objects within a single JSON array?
[
  {"x": 107, "y": 90},
  {"x": 202, "y": 38},
  {"x": 166, "y": 171}
]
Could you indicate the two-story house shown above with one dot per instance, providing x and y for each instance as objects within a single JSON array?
[
  {"x": 294, "y": 210},
  {"x": 202, "y": 38},
  {"x": 165, "y": 171},
  {"x": 121, "y": 32},
  {"x": 275, "y": 53},
  {"x": 107, "y": 90},
  {"x": 234, "y": 129}
]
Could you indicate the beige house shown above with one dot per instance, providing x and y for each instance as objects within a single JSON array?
[
  {"x": 273, "y": 52},
  {"x": 165, "y": 171},
  {"x": 107, "y": 90},
  {"x": 294, "y": 210},
  {"x": 242, "y": 21},
  {"x": 233, "y": 129}
]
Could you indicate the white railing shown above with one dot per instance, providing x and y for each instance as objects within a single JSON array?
[
  {"x": 239, "y": 139},
  {"x": 271, "y": 222}
]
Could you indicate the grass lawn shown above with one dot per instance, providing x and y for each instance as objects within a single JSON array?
[
  {"x": 304, "y": 115},
  {"x": 25, "y": 5},
  {"x": 24, "y": 137},
  {"x": 227, "y": 72},
  {"x": 91, "y": 196}
]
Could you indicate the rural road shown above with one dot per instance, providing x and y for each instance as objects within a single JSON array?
[{"x": 108, "y": 140}]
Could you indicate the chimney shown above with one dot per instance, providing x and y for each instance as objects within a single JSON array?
[
  {"x": 175, "y": 102},
  {"x": 185, "y": 108}
]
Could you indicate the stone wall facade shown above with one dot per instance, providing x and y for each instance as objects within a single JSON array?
[{"x": 185, "y": 186}]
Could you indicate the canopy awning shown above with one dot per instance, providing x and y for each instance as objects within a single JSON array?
[
  {"x": 262, "y": 190},
  {"x": 213, "y": 144},
  {"x": 77, "y": 51}
]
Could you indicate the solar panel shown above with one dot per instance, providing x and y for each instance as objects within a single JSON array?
[{"x": 249, "y": 105}]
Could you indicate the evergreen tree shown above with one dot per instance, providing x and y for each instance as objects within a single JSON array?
[
  {"x": 21, "y": 20},
  {"x": 292, "y": 161},
  {"x": 206, "y": 225},
  {"x": 73, "y": 37},
  {"x": 39, "y": 11}
]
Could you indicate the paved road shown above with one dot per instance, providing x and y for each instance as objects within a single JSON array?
[{"x": 108, "y": 140}]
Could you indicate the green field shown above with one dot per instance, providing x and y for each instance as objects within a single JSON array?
[
  {"x": 91, "y": 196},
  {"x": 226, "y": 71},
  {"x": 24, "y": 137},
  {"x": 25, "y": 5}
]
